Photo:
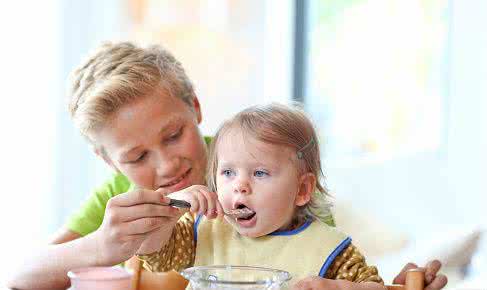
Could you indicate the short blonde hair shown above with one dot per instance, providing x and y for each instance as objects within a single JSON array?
[
  {"x": 116, "y": 74},
  {"x": 280, "y": 125}
]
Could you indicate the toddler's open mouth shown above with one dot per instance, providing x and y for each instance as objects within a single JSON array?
[{"x": 243, "y": 213}]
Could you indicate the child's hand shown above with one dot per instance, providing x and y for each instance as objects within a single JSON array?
[
  {"x": 432, "y": 280},
  {"x": 202, "y": 200}
]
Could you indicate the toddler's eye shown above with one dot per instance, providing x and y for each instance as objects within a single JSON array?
[
  {"x": 260, "y": 173},
  {"x": 227, "y": 172}
]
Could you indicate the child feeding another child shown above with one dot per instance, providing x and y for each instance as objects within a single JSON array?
[{"x": 265, "y": 179}]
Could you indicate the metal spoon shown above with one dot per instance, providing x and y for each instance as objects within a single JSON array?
[{"x": 234, "y": 213}]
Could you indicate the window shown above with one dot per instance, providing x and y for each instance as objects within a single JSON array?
[{"x": 376, "y": 77}]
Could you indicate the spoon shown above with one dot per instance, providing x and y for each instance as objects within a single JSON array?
[{"x": 234, "y": 213}]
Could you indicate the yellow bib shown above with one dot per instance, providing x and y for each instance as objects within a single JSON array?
[{"x": 308, "y": 250}]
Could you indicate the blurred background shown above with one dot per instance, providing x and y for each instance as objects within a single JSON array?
[{"x": 397, "y": 89}]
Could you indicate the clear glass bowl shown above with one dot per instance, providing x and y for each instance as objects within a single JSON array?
[{"x": 236, "y": 277}]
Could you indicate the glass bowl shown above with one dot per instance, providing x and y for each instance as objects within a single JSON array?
[{"x": 236, "y": 277}]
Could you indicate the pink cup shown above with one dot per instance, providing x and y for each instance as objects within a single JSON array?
[{"x": 98, "y": 278}]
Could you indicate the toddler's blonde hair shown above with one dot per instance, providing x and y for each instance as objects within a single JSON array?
[
  {"x": 280, "y": 125},
  {"x": 116, "y": 74}
]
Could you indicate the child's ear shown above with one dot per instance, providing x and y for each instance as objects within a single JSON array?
[
  {"x": 100, "y": 152},
  {"x": 197, "y": 109},
  {"x": 307, "y": 183}
]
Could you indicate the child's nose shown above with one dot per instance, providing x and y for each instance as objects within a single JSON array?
[
  {"x": 242, "y": 187},
  {"x": 166, "y": 165}
]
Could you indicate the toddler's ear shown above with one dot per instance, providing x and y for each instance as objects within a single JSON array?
[
  {"x": 100, "y": 152},
  {"x": 307, "y": 183}
]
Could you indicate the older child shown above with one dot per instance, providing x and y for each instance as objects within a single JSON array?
[{"x": 265, "y": 160}]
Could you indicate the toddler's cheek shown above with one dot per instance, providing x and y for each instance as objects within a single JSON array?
[{"x": 225, "y": 202}]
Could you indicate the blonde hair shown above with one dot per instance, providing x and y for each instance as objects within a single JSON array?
[
  {"x": 287, "y": 126},
  {"x": 116, "y": 74}
]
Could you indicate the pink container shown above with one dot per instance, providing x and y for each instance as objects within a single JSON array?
[{"x": 98, "y": 278}]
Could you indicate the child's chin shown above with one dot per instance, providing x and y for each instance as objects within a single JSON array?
[{"x": 249, "y": 233}]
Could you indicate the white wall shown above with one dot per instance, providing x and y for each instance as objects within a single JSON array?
[{"x": 29, "y": 73}]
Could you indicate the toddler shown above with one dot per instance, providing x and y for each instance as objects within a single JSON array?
[{"x": 266, "y": 161}]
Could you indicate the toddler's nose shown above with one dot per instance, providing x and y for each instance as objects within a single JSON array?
[{"x": 241, "y": 187}]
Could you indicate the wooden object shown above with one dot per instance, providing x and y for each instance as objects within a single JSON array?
[
  {"x": 414, "y": 281},
  {"x": 145, "y": 280},
  {"x": 395, "y": 287}
]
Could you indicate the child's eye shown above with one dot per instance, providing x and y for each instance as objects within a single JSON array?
[
  {"x": 175, "y": 135},
  {"x": 139, "y": 159},
  {"x": 260, "y": 173},
  {"x": 227, "y": 172}
]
